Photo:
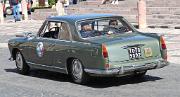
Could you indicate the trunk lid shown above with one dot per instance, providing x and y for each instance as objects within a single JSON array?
[{"x": 130, "y": 47}]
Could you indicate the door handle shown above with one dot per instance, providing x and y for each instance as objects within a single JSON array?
[{"x": 51, "y": 45}]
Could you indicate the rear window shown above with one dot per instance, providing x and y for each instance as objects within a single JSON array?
[{"x": 102, "y": 27}]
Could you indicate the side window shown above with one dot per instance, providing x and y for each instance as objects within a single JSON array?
[
  {"x": 51, "y": 30},
  {"x": 55, "y": 30},
  {"x": 101, "y": 25}
]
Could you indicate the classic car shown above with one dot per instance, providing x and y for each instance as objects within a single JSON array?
[{"x": 89, "y": 45}]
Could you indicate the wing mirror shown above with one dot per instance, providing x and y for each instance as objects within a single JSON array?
[
  {"x": 26, "y": 34},
  {"x": 29, "y": 34}
]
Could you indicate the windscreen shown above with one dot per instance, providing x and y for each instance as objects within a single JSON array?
[{"x": 101, "y": 27}]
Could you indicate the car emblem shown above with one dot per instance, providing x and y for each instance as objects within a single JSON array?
[
  {"x": 148, "y": 52},
  {"x": 40, "y": 49}
]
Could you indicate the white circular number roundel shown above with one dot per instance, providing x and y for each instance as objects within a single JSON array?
[{"x": 40, "y": 49}]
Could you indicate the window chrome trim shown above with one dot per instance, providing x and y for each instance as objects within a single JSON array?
[
  {"x": 59, "y": 21},
  {"x": 47, "y": 66}
]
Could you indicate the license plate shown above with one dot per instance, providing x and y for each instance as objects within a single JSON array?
[{"x": 134, "y": 53}]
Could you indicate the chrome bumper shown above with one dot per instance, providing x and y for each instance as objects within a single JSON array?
[{"x": 123, "y": 70}]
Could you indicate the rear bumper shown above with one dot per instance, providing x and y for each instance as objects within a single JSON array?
[{"x": 125, "y": 70}]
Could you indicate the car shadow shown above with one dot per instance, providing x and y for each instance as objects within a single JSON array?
[
  {"x": 44, "y": 74},
  {"x": 104, "y": 82},
  {"x": 95, "y": 82}
]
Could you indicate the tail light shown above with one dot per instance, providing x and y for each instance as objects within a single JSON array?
[
  {"x": 163, "y": 44},
  {"x": 105, "y": 55},
  {"x": 104, "y": 51},
  {"x": 164, "y": 49}
]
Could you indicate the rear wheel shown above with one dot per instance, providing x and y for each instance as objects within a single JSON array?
[
  {"x": 21, "y": 65},
  {"x": 77, "y": 72}
]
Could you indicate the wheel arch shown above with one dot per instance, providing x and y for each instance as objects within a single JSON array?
[{"x": 14, "y": 51}]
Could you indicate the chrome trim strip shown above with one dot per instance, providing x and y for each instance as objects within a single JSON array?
[
  {"x": 102, "y": 72},
  {"x": 134, "y": 45},
  {"x": 46, "y": 66}
]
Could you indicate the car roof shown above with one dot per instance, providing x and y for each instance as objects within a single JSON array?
[{"x": 74, "y": 18}]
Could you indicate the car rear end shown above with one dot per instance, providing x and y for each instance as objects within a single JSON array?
[
  {"x": 123, "y": 50},
  {"x": 131, "y": 53}
]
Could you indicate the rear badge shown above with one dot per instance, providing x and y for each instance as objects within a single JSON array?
[
  {"x": 148, "y": 52},
  {"x": 40, "y": 49}
]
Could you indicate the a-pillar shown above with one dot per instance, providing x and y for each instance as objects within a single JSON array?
[
  {"x": 1, "y": 13},
  {"x": 142, "y": 22},
  {"x": 60, "y": 8},
  {"x": 24, "y": 10}
]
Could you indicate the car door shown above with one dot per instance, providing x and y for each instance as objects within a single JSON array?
[
  {"x": 41, "y": 51},
  {"x": 62, "y": 46},
  {"x": 42, "y": 46}
]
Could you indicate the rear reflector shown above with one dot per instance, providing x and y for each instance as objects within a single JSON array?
[
  {"x": 164, "y": 49},
  {"x": 163, "y": 44},
  {"x": 107, "y": 66},
  {"x": 104, "y": 51}
]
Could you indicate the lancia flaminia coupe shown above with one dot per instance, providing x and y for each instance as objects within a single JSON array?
[{"x": 89, "y": 45}]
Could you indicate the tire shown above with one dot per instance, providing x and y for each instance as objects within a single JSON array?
[
  {"x": 140, "y": 75},
  {"x": 9, "y": 11},
  {"x": 77, "y": 72},
  {"x": 21, "y": 65}
]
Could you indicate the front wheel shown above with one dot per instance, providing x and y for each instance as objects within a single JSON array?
[
  {"x": 21, "y": 65},
  {"x": 77, "y": 72}
]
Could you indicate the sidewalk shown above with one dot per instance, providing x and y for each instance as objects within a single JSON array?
[{"x": 12, "y": 28}]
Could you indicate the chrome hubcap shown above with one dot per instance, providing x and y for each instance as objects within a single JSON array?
[
  {"x": 77, "y": 69},
  {"x": 19, "y": 61}
]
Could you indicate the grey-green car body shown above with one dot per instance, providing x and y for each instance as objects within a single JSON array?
[{"x": 58, "y": 53}]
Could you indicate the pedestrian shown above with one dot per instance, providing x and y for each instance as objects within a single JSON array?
[
  {"x": 74, "y": 1},
  {"x": 29, "y": 7},
  {"x": 111, "y": 1},
  {"x": 16, "y": 12},
  {"x": 66, "y": 3},
  {"x": 115, "y": 2},
  {"x": 104, "y": 1},
  {"x": 3, "y": 5}
]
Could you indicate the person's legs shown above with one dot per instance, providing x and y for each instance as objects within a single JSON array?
[
  {"x": 18, "y": 12},
  {"x": 74, "y": 1},
  {"x": 14, "y": 12},
  {"x": 105, "y": 1}
]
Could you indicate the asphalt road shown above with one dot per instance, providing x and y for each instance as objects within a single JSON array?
[{"x": 163, "y": 82}]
